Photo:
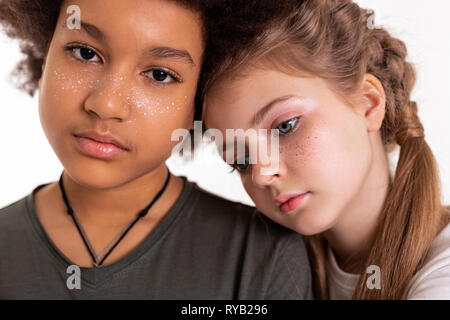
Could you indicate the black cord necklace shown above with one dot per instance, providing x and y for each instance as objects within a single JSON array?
[{"x": 97, "y": 260}]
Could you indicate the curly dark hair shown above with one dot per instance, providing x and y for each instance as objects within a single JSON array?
[
  {"x": 233, "y": 27},
  {"x": 33, "y": 22}
]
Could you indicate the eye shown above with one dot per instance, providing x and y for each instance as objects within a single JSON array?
[
  {"x": 85, "y": 54},
  {"x": 241, "y": 164},
  {"x": 162, "y": 76},
  {"x": 287, "y": 126}
]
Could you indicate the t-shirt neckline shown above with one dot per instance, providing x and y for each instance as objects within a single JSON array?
[{"x": 96, "y": 276}]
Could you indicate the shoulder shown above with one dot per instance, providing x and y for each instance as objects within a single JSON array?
[
  {"x": 275, "y": 251},
  {"x": 14, "y": 225},
  {"x": 206, "y": 200},
  {"x": 13, "y": 217},
  {"x": 12, "y": 213},
  {"x": 213, "y": 209},
  {"x": 432, "y": 281}
]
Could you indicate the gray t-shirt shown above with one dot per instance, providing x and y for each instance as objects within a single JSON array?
[{"x": 205, "y": 248}]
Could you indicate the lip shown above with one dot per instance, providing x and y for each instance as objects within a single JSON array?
[
  {"x": 102, "y": 146},
  {"x": 290, "y": 202},
  {"x": 101, "y": 137}
]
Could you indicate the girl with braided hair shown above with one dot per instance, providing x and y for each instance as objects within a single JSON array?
[{"x": 337, "y": 89}]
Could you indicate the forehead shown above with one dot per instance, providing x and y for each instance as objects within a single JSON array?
[
  {"x": 135, "y": 24},
  {"x": 232, "y": 103},
  {"x": 235, "y": 101}
]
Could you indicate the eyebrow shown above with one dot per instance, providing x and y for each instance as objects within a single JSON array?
[
  {"x": 90, "y": 29},
  {"x": 259, "y": 116},
  {"x": 157, "y": 52},
  {"x": 167, "y": 52}
]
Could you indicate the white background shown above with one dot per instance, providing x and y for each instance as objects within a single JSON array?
[{"x": 27, "y": 160}]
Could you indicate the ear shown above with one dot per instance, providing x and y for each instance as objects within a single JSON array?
[{"x": 373, "y": 106}]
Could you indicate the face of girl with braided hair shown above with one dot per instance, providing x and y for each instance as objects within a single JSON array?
[{"x": 332, "y": 162}]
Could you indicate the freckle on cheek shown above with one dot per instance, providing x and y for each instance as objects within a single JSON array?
[
  {"x": 298, "y": 150},
  {"x": 135, "y": 97},
  {"x": 72, "y": 82}
]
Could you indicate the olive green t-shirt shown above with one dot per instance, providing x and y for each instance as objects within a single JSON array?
[{"x": 205, "y": 248}]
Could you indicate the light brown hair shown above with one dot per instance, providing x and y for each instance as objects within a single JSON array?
[{"x": 333, "y": 39}]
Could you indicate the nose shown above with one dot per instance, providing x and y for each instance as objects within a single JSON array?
[
  {"x": 264, "y": 175},
  {"x": 107, "y": 99}
]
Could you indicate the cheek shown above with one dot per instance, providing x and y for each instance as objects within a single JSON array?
[
  {"x": 306, "y": 150},
  {"x": 60, "y": 96},
  {"x": 149, "y": 111},
  {"x": 66, "y": 84},
  {"x": 329, "y": 155},
  {"x": 62, "y": 90},
  {"x": 153, "y": 120}
]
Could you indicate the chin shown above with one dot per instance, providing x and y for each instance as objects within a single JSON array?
[
  {"x": 94, "y": 177},
  {"x": 309, "y": 223}
]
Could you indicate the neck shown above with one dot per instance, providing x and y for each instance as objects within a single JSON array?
[
  {"x": 119, "y": 204},
  {"x": 352, "y": 236}
]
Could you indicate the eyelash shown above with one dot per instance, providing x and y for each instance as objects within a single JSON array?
[
  {"x": 173, "y": 75},
  {"x": 294, "y": 127},
  {"x": 291, "y": 131},
  {"x": 234, "y": 167}
]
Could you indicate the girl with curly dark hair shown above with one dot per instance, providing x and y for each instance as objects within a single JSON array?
[{"x": 115, "y": 79}]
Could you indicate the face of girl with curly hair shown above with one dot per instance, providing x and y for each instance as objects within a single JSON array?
[
  {"x": 330, "y": 152},
  {"x": 130, "y": 71}
]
